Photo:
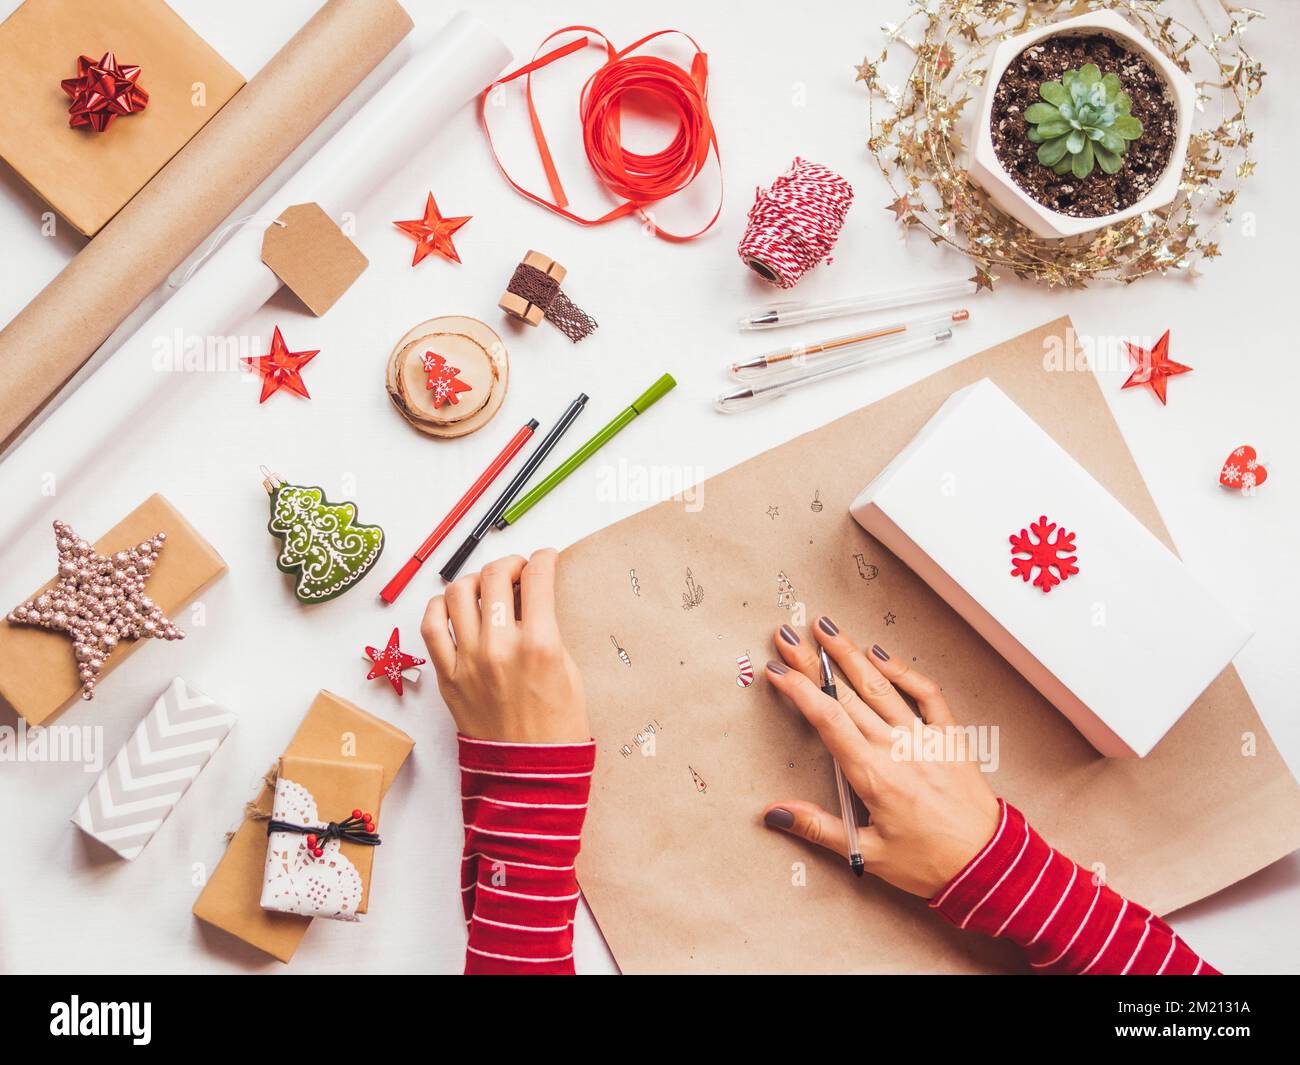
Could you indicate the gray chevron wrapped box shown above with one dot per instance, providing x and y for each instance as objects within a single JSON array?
[{"x": 141, "y": 786}]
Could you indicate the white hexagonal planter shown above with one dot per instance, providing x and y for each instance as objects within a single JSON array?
[{"x": 989, "y": 174}]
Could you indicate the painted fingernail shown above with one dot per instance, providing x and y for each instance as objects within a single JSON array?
[
  {"x": 778, "y": 818},
  {"x": 778, "y": 669},
  {"x": 879, "y": 652},
  {"x": 828, "y": 626},
  {"x": 789, "y": 636}
]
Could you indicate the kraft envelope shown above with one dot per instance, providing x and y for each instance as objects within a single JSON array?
[{"x": 675, "y": 864}]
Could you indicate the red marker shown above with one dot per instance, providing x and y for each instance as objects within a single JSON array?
[{"x": 394, "y": 587}]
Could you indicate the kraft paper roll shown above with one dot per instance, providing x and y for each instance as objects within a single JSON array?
[
  {"x": 50, "y": 339},
  {"x": 448, "y": 66}
]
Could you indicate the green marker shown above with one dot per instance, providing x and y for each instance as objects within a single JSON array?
[{"x": 643, "y": 402}]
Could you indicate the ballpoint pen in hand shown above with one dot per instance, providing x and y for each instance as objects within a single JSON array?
[
  {"x": 878, "y": 337},
  {"x": 794, "y": 312},
  {"x": 779, "y": 384},
  {"x": 848, "y": 812}
]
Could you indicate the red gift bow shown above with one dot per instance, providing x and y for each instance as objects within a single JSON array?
[
  {"x": 102, "y": 91},
  {"x": 639, "y": 180}
]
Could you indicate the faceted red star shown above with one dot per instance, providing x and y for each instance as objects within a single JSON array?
[
  {"x": 280, "y": 368},
  {"x": 432, "y": 233},
  {"x": 102, "y": 91},
  {"x": 391, "y": 662},
  {"x": 443, "y": 381},
  {"x": 1154, "y": 367}
]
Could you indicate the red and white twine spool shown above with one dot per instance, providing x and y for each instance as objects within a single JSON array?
[{"x": 793, "y": 225}]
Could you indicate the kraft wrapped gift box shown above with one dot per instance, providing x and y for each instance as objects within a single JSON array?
[
  {"x": 1122, "y": 647},
  {"x": 232, "y": 898}
]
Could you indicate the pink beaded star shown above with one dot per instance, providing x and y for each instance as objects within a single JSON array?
[{"x": 98, "y": 601}]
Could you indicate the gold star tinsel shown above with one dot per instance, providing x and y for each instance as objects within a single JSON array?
[{"x": 916, "y": 143}]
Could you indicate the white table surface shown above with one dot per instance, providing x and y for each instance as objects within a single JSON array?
[{"x": 69, "y": 906}]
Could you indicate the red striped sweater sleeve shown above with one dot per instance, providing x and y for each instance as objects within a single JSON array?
[
  {"x": 1066, "y": 921},
  {"x": 524, "y": 805}
]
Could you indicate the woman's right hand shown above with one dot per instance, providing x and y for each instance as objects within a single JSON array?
[{"x": 928, "y": 817}]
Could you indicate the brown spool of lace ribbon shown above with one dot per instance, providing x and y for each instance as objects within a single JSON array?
[{"x": 534, "y": 293}]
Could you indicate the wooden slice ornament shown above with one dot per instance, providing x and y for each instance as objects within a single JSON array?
[{"x": 448, "y": 376}]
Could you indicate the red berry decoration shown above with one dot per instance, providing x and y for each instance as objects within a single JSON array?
[
  {"x": 1046, "y": 555},
  {"x": 317, "y": 851},
  {"x": 356, "y": 814},
  {"x": 311, "y": 839}
]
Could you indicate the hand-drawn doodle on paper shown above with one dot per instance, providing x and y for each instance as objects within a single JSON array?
[
  {"x": 645, "y": 740},
  {"x": 774, "y": 512},
  {"x": 622, "y": 651},
  {"x": 889, "y": 618},
  {"x": 699, "y": 780},
  {"x": 694, "y": 594},
  {"x": 746, "y": 675},
  {"x": 636, "y": 583},
  {"x": 866, "y": 570},
  {"x": 816, "y": 505},
  {"x": 785, "y": 597}
]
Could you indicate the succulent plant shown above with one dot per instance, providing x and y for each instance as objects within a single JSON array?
[{"x": 1082, "y": 119}]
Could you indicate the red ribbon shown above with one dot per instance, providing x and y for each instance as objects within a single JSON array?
[{"x": 638, "y": 180}]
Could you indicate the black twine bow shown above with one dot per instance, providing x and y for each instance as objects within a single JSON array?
[{"x": 353, "y": 830}]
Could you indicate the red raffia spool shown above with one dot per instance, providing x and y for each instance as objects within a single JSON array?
[
  {"x": 638, "y": 180},
  {"x": 793, "y": 225}
]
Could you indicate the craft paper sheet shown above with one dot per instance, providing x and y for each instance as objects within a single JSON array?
[
  {"x": 663, "y": 612},
  {"x": 1122, "y": 647},
  {"x": 153, "y": 770}
]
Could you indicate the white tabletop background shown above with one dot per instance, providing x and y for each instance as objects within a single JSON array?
[{"x": 781, "y": 86}]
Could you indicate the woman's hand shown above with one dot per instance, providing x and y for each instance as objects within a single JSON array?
[
  {"x": 504, "y": 672},
  {"x": 928, "y": 818}
]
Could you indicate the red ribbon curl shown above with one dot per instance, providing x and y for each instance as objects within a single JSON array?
[{"x": 638, "y": 180}]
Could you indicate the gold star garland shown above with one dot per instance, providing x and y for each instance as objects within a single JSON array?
[{"x": 916, "y": 143}]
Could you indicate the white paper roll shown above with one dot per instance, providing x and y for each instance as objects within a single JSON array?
[{"x": 448, "y": 68}]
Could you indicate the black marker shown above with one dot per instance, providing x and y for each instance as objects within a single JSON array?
[{"x": 449, "y": 571}]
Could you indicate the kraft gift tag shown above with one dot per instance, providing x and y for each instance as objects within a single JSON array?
[{"x": 306, "y": 250}]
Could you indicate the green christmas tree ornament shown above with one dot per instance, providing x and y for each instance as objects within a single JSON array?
[{"x": 321, "y": 542}]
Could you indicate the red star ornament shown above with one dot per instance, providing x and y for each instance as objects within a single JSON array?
[
  {"x": 280, "y": 368},
  {"x": 443, "y": 381},
  {"x": 432, "y": 233},
  {"x": 391, "y": 662},
  {"x": 102, "y": 91},
  {"x": 1154, "y": 367}
]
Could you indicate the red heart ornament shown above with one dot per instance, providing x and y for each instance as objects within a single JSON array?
[{"x": 1242, "y": 469}]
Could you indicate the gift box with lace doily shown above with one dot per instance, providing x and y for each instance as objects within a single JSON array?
[
  {"x": 343, "y": 759},
  {"x": 1044, "y": 563},
  {"x": 321, "y": 838}
]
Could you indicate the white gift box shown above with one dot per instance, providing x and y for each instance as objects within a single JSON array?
[
  {"x": 1124, "y": 645},
  {"x": 142, "y": 785}
]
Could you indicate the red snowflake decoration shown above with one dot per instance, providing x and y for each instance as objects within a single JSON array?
[
  {"x": 443, "y": 380},
  {"x": 1045, "y": 554},
  {"x": 392, "y": 662}
]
